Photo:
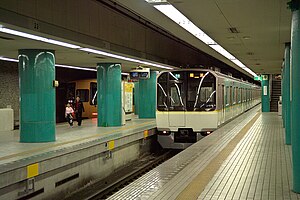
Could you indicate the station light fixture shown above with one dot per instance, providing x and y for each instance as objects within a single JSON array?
[
  {"x": 73, "y": 46},
  {"x": 75, "y": 67},
  {"x": 59, "y": 65},
  {"x": 8, "y": 59},
  {"x": 175, "y": 15},
  {"x": 38, "y": 38},
  {"x": 103, "y": 53}
]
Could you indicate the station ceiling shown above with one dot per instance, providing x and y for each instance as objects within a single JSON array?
[{"x": 263, "y": 28}]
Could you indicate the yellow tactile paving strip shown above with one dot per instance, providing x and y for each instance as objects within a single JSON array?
[{"x": 196, "y": 187}]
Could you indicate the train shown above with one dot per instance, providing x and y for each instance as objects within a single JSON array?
[
  {"x": 87, "y": 91},
  {"x": 192, "y": 103}
]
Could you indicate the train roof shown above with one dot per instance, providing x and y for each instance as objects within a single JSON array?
[{"x": 215, "y": 73}]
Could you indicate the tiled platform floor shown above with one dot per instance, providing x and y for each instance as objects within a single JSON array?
[{"x": 258, "y": 168}]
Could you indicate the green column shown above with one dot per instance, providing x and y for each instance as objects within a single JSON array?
[
  {"x": 295, "y": 94},
  {"x": 265, "y": 98},
  {"x": 109, "y": 94},
  {"x": 37, "y": 95},
  {"x": 286, "y": 91},
  {"x": 136, "y": 98},
  {"x": 283, "y": 92},
  {"x": 147, "y": 96}
]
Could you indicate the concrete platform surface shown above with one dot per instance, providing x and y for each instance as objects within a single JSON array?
[{"x": 13, "y": 153}]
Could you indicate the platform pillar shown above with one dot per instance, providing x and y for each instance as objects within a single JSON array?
[
  {"x": 136, "y": 98},
  {"x": 265, "y": 96},
  {"x": 283, "y": 93},
  {"x": 295, "y": 94},
  {"x": 37, "y": 95},
  {"x": 147, "y": 96},
  {"x": 286, "y": 91},
  {"x": 109, "y": 94}
]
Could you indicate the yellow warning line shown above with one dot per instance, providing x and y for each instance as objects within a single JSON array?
[
  {"x": 71, "y": 141},
  {"x": 197, "y": 185}
]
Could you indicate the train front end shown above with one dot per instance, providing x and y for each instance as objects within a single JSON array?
[{"x": 186, "y": 107}]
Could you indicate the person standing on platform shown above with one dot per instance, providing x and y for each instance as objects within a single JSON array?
[
  {"x": 69, "y": 114},
  {"x": 78, "y": 105}
]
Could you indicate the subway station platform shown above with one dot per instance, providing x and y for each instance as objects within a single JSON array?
[
  {"x": 244, "y": 159},
  {"x": 72, "y": 153}
]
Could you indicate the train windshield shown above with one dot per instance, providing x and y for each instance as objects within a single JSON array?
[{"x": 186, "y": 90}]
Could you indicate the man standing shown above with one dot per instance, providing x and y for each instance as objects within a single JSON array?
[{"x": 78, "y": 105}]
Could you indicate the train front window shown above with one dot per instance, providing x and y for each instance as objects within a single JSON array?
[
  {"x": 162, "y": 92},
  {"x": 201, "y": 91},
  {"x": 177, "y": 94},
  {"x": 186, "y": 90}
]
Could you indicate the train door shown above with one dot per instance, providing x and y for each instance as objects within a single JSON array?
[{"x": 176, "y": 102}]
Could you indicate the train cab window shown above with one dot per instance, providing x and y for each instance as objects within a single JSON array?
[
  {"x": 186, "y": 90},
  {"x": 162, "y": 92},
  {"x": 93, "y": 94},
  {"x": 83, "y": 94},
  {"x": 177, "y": 92},
  {"x": 201, "y": 93}
]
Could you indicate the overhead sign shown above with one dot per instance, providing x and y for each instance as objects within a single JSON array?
[
  {"x": 139, "y": 73},
  {"x": 257, "y": 78},
  {"x": 264, "y": 77}
]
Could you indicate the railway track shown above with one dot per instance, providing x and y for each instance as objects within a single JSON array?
[{"x": 103, "y": 188}]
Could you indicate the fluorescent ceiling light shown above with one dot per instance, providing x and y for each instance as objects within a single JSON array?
[
  {"x": 38, "y": 38},
  {"x": 171, "y": 12},
  {"x": 123, "y": 58},
  {"x": 59, "y": 65},
  {"x": 75, "y": 67},
  {"x": 56, "y": 42},
  {"x": 176, "y": 16},
  {"x": 223, "y": 52},
  {"x": 9, "y": 59}
]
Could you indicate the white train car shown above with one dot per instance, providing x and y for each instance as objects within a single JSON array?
[{"x": 192, "y": 103}]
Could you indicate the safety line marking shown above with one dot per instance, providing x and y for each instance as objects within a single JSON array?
[{"x": 198, "y": 184}]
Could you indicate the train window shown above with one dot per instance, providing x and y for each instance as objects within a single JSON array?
[
  {"x": 175, "y": 95},
  {"x": 93, "y": 95},
  {"x": 241, "y": 95},
  {"x": 83, "y": 94},
  {"x": 201, "y": 93},
  {"x": 228, "y": 94},
  {"x": 237, "y": 94},
  {"x": 190, "y": 90},
  {"x": 162, "y": 92},
  {"x": 176, "y": 89},
  {"x": 71, "y": 91},
  {"x": 234, "y": 95}
]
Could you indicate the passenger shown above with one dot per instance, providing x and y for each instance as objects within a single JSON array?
[
  {"x": 69, "y": 114},
  {"x": 78, "y": 105}
]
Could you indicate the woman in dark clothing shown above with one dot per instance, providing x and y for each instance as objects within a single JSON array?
[{"x": 78, "y": 106}]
